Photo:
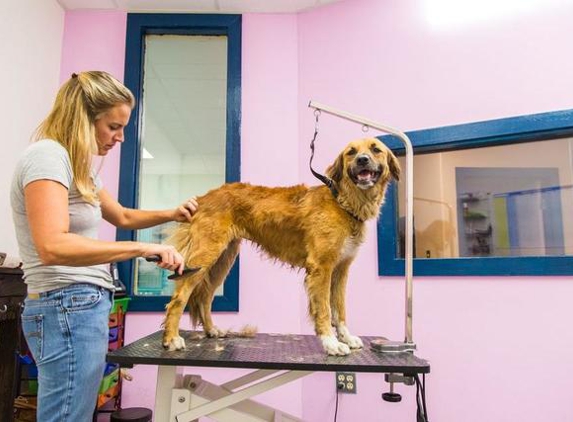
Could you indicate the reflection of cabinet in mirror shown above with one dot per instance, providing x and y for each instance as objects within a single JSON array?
[{"x": 476, "y": 213}]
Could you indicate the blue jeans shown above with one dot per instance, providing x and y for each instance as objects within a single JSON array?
[{"x": 67, "y": 333}]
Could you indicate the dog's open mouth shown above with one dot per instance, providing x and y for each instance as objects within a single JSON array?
[{"x": 365, "y": 178}]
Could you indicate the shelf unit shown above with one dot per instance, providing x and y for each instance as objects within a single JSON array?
[
  {"x": 476, "y": 224},
  {"x": 109, "y": 396}
]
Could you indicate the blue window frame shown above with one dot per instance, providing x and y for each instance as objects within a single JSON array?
[
  {"x": 138, "y": 26},
  {"x": 505, "y": 131}
]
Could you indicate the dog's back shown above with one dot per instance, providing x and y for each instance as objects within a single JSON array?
[{"x": 276, "y": 219}]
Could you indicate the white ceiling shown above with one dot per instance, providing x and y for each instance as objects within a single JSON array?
[{"x": 197, "y": 6}]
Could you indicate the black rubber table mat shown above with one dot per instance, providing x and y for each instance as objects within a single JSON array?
[{"x": 265, "y": 351}]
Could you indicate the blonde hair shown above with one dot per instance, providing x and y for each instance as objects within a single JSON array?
[{"x": 81, "y": 100}]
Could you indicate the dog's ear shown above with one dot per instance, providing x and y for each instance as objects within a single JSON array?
[
  {"x": 394, "y": 166},
  {"x": 335, "y": 170}
]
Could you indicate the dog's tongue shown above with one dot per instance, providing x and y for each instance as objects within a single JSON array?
[{"x": 365, "y": 175}]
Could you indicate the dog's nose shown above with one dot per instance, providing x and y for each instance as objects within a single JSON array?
[{"x": 362, "y": 160}]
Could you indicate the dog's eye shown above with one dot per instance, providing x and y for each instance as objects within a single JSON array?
[
  {"x": 351, "y": 151},
  {"x": 376, "y": 150}
]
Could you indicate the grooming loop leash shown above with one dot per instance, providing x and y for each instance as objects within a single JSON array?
[{"x": 324, "y": 179}]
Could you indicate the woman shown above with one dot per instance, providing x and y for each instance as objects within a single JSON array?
[{"x": 57, "y": 204}]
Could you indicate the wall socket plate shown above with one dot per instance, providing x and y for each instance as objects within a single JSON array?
[{"x": 346, "y": 382}]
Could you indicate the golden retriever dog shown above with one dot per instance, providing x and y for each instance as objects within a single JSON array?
[{"x": 312, "y": 228}]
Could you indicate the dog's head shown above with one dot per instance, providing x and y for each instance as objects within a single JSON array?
[{"x": 366, "y": 162}]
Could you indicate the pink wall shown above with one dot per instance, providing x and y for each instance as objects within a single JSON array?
[
  {"x": 494, "y": 343},
  {"x": 500, "y": 347}
]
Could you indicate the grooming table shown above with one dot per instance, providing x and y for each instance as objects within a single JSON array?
[{"x": 276, "y": 358}]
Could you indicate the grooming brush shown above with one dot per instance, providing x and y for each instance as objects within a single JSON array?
[{"x": 174, "y": 276}]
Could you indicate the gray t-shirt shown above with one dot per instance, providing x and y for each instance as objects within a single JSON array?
[{"x": 48, "y": 160}]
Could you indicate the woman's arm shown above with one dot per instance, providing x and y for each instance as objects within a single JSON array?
[
  {"x": 128, "y": 218},
  {"x": 48, "y": 217}
]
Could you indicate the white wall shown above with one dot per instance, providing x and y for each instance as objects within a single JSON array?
[{"x": 30, "y": 52}]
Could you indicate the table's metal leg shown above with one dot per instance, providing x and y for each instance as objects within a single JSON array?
[
  {"x": 236, "y": 397},
  {"x": 168, "y": 377},
  {"x": 248, "y": 378}
]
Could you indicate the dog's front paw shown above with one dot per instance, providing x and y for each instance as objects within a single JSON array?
[
  {"x": 333, "y": 347},
  {"x": 344, "y": 336},
  {"x": 353, "y": 342},
  {"x": 176, "y": 343}
]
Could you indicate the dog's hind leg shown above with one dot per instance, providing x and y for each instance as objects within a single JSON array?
[
  {"x": 171, "y": 338},
  {"x": 338, "y": 306},
  {"x": 202, "y": 296},
  {"x": 317, "y": 283},
  {"x": 207, "y": 239}
]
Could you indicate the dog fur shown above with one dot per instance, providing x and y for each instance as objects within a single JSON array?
[{"x": 307, "y": 228}]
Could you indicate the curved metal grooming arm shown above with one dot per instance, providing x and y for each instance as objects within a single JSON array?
[{"x": 409, "y": 225}]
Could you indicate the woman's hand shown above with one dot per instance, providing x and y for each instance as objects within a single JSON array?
[
  {"x": 185, "y": 211},
  {"x": 169, "y": 258}
]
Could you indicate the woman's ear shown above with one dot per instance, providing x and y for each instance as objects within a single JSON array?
[{"x": 336, "y": 169}]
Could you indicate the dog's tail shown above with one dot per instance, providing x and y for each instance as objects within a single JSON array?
[{"x": 180, "y": 236}]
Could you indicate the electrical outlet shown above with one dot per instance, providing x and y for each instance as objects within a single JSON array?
[{"x": 346, "y": 382}]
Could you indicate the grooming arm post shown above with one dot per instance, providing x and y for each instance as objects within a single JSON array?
[{"x": 409, "y": 195}]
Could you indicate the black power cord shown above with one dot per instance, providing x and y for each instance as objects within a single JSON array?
[
  {"x": 336, "y": 408},
  {"x": 422, "y": 410}
]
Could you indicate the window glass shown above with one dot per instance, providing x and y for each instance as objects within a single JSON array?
[
  {"x": 499, "y": 201},
  {"x": 183, "y": 133}
]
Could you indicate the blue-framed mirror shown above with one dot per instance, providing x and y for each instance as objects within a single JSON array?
[{"x": 490, "y": 198}]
